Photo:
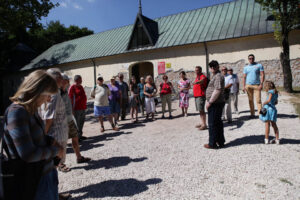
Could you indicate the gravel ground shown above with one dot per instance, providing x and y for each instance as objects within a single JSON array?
[{"x": 165, "y": 159}]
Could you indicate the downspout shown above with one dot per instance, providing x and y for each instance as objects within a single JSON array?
[
  {"x": 206, "y": 60},
  {"x": 95, "y": 82}
]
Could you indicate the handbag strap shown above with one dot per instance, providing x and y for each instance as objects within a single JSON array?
[{"x": 3, "y": 144}]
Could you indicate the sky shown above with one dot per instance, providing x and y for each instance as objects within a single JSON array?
[{"x": 102, "y": 15}]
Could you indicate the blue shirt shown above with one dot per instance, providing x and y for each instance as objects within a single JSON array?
[
  {"x": 252, "y": 72},
  {"x": 141, "y": 88}
]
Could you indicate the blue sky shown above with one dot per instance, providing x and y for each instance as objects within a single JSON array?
[{"x": 101, "y": 15}]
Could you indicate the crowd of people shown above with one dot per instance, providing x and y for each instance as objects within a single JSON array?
[{"x": 46, "y": 111}]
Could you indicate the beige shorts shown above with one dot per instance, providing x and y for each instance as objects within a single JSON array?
[{"x": 73, "y": 132}]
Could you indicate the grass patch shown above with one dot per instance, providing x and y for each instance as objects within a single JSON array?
[
  {"x": 295, "y": 100},
  {"x": 285, "y": 181}
]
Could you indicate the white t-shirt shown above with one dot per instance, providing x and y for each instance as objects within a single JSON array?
[
  {"x": 228, "y": 80},
  {"x": 101, "y": 94},
  {"x": 234, "y": 88}
]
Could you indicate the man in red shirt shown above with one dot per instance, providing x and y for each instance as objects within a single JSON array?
[
  {"x": 78, "y": 99},
  {"x": 199, "y": 88}
]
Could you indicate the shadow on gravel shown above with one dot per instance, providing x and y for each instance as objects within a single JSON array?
[
  {"x": 258, "y": 139},
  {"x": 131, "y": 125},
  {"x": 89, "y": 143},
  {"x": 110, "y": 163},
  {"x": 84, "y": 147},
  {"x": 286, "y": 116},
  {"x": 115, "y": 188},
  {"x": 234, "y": 124}
]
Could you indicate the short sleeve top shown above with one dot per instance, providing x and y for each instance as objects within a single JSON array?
[
  {"x": 216, "y": 83},
  {"x": 199, "y": 90},
  {"x": 252, "y": 72}
]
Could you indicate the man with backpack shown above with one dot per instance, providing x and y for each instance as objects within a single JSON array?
[{"x": 200, "y": 85}]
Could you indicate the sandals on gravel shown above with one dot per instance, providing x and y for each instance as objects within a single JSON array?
[
  {"x": 83, "y": 159},
  {"x": 202, "y": 128},
  {"x": 63, "y": 168}
]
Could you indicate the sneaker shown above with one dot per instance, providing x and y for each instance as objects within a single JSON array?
[
  {"x": 266, "y": 141},
  {"x": 277, "y": 141}
]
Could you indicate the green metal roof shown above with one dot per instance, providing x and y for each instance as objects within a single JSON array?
[{"x": 234, "y": 19}]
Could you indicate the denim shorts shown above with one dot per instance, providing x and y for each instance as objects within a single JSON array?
[{"x": 101, "y": 111}]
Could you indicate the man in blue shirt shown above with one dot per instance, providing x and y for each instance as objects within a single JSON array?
[{"x": 253, "y": 79}]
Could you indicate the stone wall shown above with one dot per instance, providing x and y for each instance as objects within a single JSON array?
[{"x": 273, "y": 71}]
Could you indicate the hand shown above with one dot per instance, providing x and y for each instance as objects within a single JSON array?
[
  {"x": 244, "y": 90},
  {"x": 260, "y": 87},
  {"x": 207, "y": 105}
]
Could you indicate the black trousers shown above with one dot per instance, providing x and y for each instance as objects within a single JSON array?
[{"x": 215, "y": 124}]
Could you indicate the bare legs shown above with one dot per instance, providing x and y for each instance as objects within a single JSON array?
[
  {"x": 267, "y": 130},
  {"x": 110, "y": 119},
  {"x": 184, "y": 111},
  {"x": 134, "y": 110},
  {"x": 203, "y": 118}
]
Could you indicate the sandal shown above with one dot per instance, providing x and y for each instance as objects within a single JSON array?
[
  {"x": 64, "y": 196},
  {"x": 102, "y": 129},
  {"x": 202, "y": 128},
  {"x": 83, "y": 159},
  {"x": 63, "y": 168},
  {"x": 198, "y": 126}
]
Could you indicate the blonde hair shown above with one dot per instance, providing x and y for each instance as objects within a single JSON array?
[
  {"x": 269, "y": 85},
  {"x": 148, "y": 77},
  {"x": 33, "y": 86}
]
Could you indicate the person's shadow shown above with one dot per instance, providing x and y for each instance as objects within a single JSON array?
[
  {"x": 115, "y": 188},
  {"x": 258, "y": 139},
  {"x": 110, "y": 163}
]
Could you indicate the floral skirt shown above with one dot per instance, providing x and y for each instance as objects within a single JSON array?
[{"x": 184, "y": 100}]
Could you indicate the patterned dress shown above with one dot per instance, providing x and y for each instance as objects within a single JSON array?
[{"x": 184, "y": 94}]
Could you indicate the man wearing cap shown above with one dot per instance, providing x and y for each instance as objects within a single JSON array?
[
  {"x": 234, "y": 90},
  {"x": 78, "y": 100},
  {"x": 253, "y": 80},
  {"x": 73, "y": 132}
]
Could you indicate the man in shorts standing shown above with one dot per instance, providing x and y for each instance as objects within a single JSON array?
[
  {"x": 200, "y": 85},
  {"x": 73, "y": 132}
]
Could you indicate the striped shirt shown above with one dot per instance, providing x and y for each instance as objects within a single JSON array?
[
  {"x": 55, "y": 110},
  {"x": 25, "y": 134}
]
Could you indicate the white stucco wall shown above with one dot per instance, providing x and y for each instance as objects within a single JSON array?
[{"x": 264, "y": 47}]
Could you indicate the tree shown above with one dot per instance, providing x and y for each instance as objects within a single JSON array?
[
  {"x": 17, "y": 17},
  {"x": 54, "y": 33},
  {"x": 286, "y": 14}
]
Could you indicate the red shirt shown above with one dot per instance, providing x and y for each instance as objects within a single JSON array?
[
  {"x": 78, "y": 97},
  {"x": 165, "y": 88},
  {"x": 199, "y": 90}
]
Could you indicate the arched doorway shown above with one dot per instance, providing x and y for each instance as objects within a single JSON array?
[{"x": 142, "y": 69}]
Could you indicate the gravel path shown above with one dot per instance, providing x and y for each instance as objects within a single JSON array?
[{"x": 165, "y": 159}]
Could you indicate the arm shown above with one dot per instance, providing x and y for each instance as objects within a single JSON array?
[
  {"x": 244, "y": 82},
  {"x": 268, "y": 100},
  {"x": 21, "y": 134},
  {"x": 155, "y": 90},
  {"x": 93, "y": 92},
  {"x": 201, "y": 81},
  {"x": 228, "y": 86},
  {"x": 48, "y": 124},
  {"x": 262, "y": 79}
]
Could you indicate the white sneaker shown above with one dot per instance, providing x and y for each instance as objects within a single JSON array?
[
  {"x": 277, "y": 141},
  {"x": 266, "y": 141}
]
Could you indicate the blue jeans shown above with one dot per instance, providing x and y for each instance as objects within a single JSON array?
[
  {"x": 48, "y": 187},
  {"x": 215, "y": 124}
]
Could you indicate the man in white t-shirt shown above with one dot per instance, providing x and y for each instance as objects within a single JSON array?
[
  {"x": 228, "y": 85},
  {"x": 234, "y": 90}
]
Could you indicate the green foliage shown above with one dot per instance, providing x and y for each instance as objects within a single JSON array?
[
  {"x": 54, "y": 33},
  {"x": 286, "y": 14},
  {"x": 20, "y": 23}
]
